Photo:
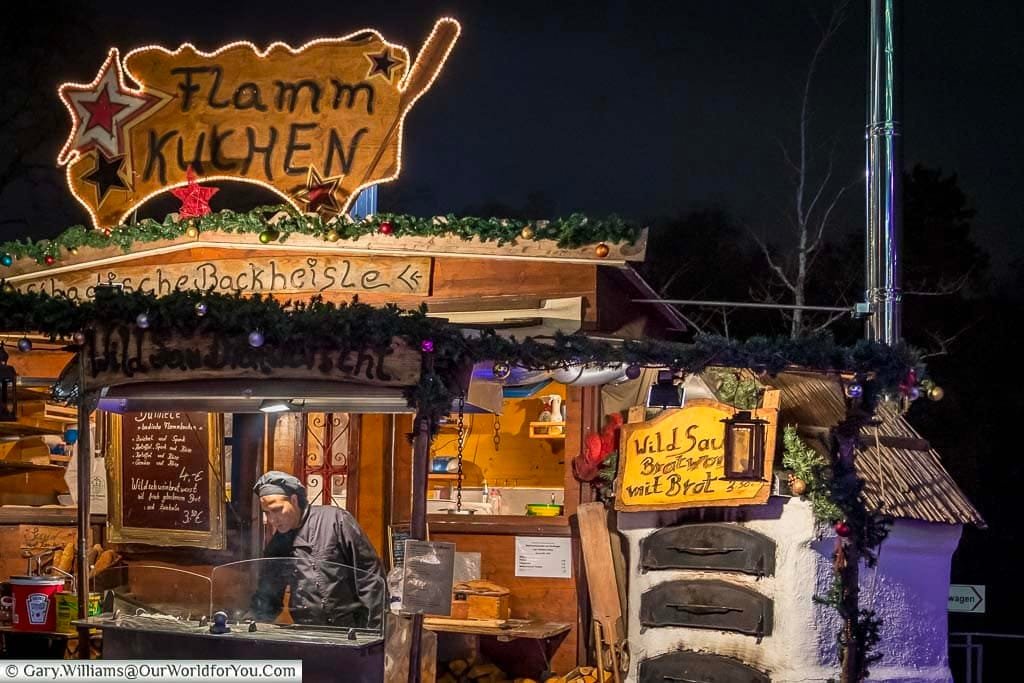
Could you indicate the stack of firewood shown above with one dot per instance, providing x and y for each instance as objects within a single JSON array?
[{"x": 478, "y": 671}]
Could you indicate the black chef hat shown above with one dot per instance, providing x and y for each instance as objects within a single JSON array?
[{"x": 281, "y": 484}]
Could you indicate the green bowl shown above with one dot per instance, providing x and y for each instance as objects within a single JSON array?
[{"x": 543, "y": 510}]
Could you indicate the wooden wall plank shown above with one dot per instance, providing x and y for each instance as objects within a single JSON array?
[
  {"x": 401, "y": 492},
  {"x": 370, "y": 471}
]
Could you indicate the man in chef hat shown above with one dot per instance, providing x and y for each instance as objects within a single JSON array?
[{"x": 336, "y": 578}]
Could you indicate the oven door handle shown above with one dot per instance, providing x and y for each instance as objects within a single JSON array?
[
  {"x": 704, "y": 551},
  {"x": 703, "y": 609}
]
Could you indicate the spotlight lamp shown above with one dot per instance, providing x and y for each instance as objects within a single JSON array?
[{"x": 665, "y": 393}]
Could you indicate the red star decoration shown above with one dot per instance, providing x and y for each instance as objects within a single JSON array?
[
  {"x": 102, "y": 112},
  {"x": 195, "y": 199}
]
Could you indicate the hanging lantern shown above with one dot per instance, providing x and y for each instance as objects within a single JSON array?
[
  {"x": 8, "y": 389},
  {"x": 744, "y": 446}
]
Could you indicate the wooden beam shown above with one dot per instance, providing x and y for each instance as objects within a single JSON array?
[
  {"x": 420, "y": 470},
  {"x": 447, "y": 246},
  {"x": 246, "y": 468}
]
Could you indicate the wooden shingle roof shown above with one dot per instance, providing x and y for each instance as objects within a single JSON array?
[{"x": 903, "y": 475}]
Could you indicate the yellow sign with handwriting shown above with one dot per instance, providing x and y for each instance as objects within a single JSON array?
[
  {"x": 314, "y": 124},
  {"x": 677, "y": 460}
]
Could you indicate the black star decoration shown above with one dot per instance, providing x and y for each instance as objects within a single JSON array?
[
  {"x": 319, "y": 193},
  {"x": 382, "y": 64},
  {"x": 106, "y": 175}
]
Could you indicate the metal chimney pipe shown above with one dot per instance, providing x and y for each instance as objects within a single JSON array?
[{"x": 884, "y": 161}]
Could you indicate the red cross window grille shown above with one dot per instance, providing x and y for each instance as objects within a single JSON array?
[{"x": 326, "y": 442}]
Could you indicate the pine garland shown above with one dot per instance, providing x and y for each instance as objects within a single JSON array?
[
  {"x": 280, "y": 221},
  {"x": 835, "y": 492},
  {"x": 606, "y": 477},
  {"x": 730, "y": 388},
  {"x": 810, "y": 466},
  {"x": 316, "y": 324},
  {"x": 834, "y": 489}
]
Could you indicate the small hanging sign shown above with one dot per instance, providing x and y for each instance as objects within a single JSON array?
[
  {"x": 127, "y": 355},
  {"x": 688, "y": 457},
  {"x": 428, "y": 575}
]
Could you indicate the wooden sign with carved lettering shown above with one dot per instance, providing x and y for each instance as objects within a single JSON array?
[
  {"x": 320, "y": 274},
  {"x": 129, "y": 354},
  {"x": 315, "y": 124},
  {"x": 677, "y": 459},
  {"x": 167, "y": 479}
]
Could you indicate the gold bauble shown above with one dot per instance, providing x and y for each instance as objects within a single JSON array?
[
  {"x": 798, "y": 486},
  {"x": 935, "y": 392},
  {"x": 332, "y": 235},
  {"x": 601, "y": 250},
  {"x": 527, "y": 233},
  {"x": 192, "y": 232}
]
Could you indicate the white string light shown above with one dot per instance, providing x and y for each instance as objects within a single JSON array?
[{"x": 69, "y": 155}]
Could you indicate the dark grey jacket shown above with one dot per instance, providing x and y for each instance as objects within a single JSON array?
[{"x": 323, "y": 593}]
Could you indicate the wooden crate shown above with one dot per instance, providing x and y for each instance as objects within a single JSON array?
[{"x": 488, "y": 606}]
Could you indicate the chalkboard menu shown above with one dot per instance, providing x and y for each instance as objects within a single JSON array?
[{"x": 166, "y": 468}]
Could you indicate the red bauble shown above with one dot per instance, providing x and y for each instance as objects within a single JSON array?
[
  {"x": 386, "y": 228},
  {"x": 842, "y": 529},
  {"x": 49, "y": 260},
  {"x": 106, "y": 232}
]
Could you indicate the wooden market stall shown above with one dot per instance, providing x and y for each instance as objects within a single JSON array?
[
  {"x": 151, "y": 401},
  {"x": 350, "y": 446},
  {"x": 446, "y": 380}
]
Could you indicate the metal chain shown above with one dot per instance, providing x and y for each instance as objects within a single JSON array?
[
  {"x": 461, "y": 443},
  {"x": 496, "y": 438}
]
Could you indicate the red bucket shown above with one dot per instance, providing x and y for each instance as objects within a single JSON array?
[{"x": 35, "y": 606}]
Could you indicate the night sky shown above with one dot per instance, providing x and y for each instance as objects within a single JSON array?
[{"x": 644, "y": 109}]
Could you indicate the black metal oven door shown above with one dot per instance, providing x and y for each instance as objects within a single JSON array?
[
  {"x": 721, "y": 547},
  {"x": 698, "y": 667},
  {"x": 707, "y": 604}
]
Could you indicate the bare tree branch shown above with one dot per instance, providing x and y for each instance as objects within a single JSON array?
[
  {"x": 786, "y": 157},
  {"x": 663, "y": 290},
  {"x": 823, "y": 224},
  {"x": 808, "y": 229},
  {"x": 698, "y": 328},
  {"x": 824, "y": 183},
  {"x": 779, "y": 272},
  {"x": 943, "y": 288},
  {"x": 943, "y": 344}
]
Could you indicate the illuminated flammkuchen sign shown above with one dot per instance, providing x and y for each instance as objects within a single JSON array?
[{"x": 315, "y": 124}]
